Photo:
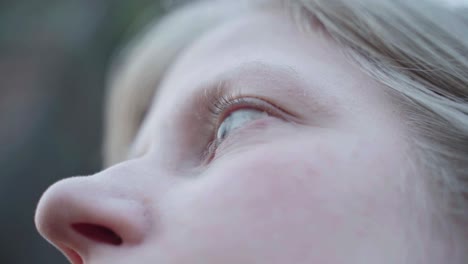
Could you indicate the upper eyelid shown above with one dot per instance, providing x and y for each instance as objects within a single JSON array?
[
  {"x": 247, "y": 102},
  {"x": 225, "y": 88},
  {"x": 264, "y": 80},
  {"x": 214, "y": 94},
  {"x": 223, "y": 99}
]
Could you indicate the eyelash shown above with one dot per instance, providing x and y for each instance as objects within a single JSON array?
[{"x": 218, "y": 106}]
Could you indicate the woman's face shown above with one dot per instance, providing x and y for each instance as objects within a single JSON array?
[{"x": 263, "y": 145}]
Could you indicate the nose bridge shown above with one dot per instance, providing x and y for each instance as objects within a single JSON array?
[
  {"x": 137, "y": 177},
  {"x": 110, "y": 208}
]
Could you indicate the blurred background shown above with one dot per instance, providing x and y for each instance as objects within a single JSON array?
[{"x": 54, "y": 55}]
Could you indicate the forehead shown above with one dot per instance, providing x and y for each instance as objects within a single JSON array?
[{"x": 259, "y": 44}]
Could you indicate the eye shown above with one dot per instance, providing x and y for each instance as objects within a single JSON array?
[
  {"x": 236, "y": 120},
  {"x": 231, "y": 112}
]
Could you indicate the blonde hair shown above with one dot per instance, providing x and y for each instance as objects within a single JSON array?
[{"x": 417, "y": 49}]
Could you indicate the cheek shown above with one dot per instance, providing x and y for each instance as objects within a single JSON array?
[{"x": 323, "y": 195}]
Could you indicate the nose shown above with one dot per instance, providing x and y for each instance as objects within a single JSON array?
[{"x": 81, "y": 214}]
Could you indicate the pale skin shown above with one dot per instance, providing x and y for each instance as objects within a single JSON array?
[{"x": 308, "y": 169}]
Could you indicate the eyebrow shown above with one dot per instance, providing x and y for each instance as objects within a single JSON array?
[
  {"x": 281, "y": 83},
  {"x": 253, "y": 74},
  {"x": 250, "y": 70}
]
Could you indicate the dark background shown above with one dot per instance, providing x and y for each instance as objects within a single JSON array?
[{"x": 54, "y": 57}]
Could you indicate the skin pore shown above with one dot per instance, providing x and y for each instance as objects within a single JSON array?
[{"x": 263, "y": 145}]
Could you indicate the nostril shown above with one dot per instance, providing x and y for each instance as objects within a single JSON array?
[{"x": 98, "y": 233}]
